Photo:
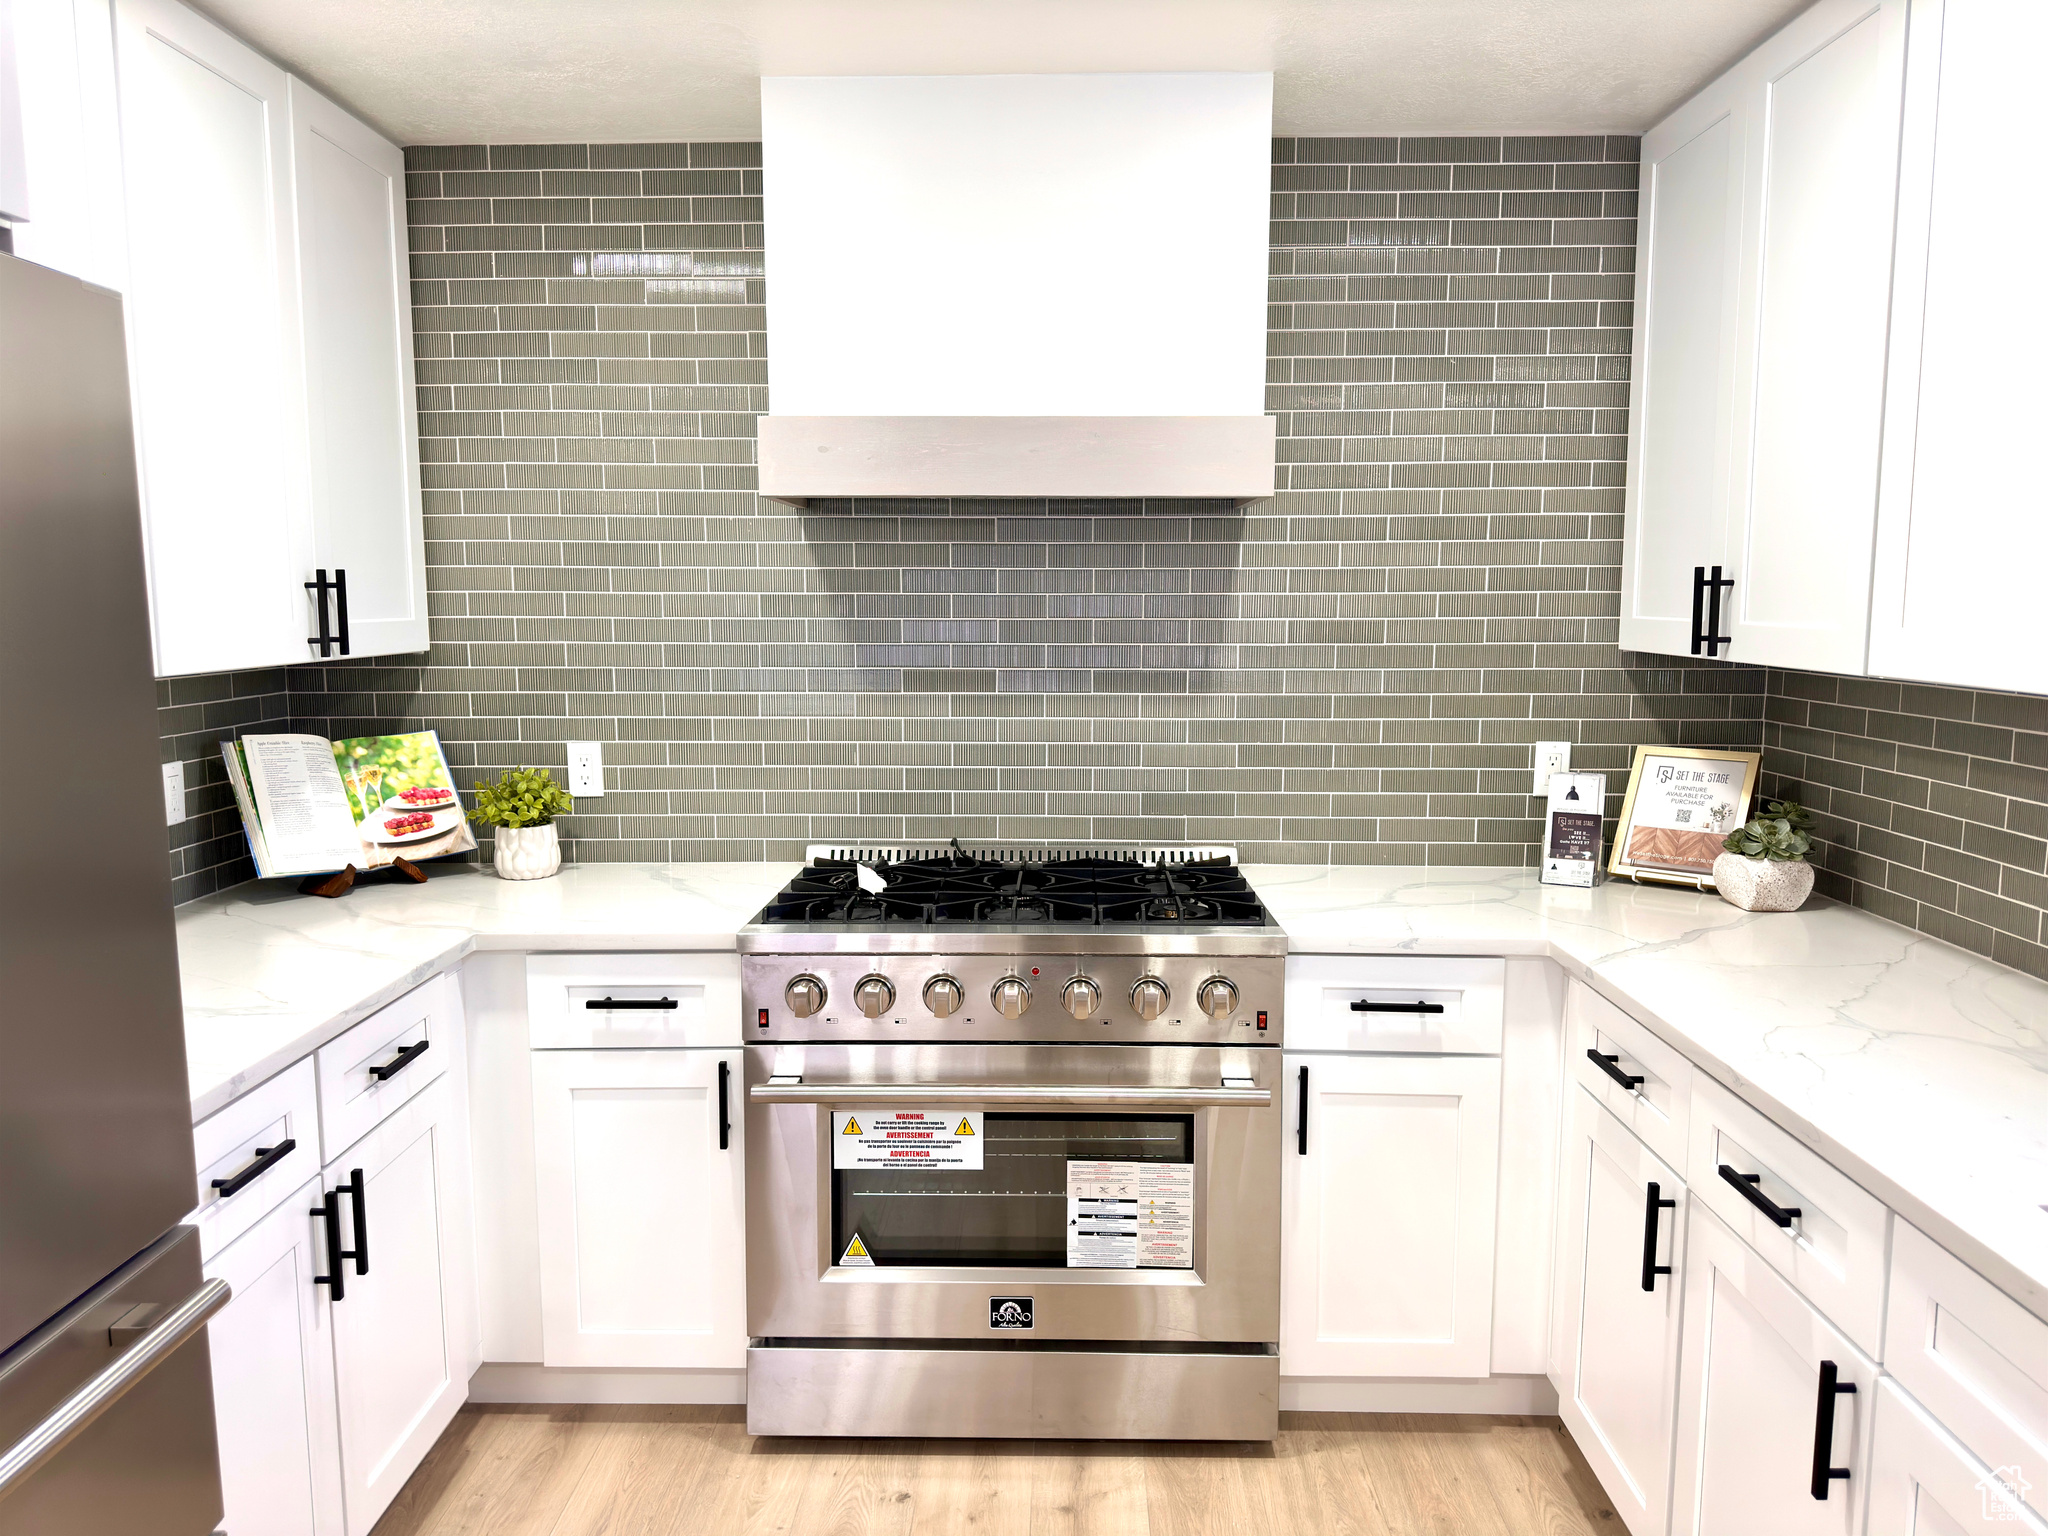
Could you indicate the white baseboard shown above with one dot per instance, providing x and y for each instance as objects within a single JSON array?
[
  {"x": 499, "y": 1382},
  {"x": 1487, "y": 1394}
]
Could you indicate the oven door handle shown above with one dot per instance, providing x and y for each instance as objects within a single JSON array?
[{"x": 1141, "y": 1096}]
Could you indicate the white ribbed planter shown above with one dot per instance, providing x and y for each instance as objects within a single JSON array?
[
  {"x": 528, "y": 853},
  {"x": 1763, "y": 885}
]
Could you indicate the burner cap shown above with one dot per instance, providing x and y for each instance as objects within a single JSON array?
[{"x": 1178, "y": 909}]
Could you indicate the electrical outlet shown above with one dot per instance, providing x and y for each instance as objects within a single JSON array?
[
  {"x": 174, "y": 793},
  {"x": 586, "y": 768},
  {"x": 1551, "y": 757}
]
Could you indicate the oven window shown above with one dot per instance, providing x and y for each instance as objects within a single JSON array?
[{"x": 1013, "y": 1211}]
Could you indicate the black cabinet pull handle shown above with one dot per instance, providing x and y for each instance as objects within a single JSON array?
[
  {"x": 724, "y": 1109},
  {"x": 1366, "y": 1005},
  {"x": 630, "y": 1002},
  {"x": 1745, "y": 1184},
  {"x": 329, "y": 1212},
  {"x": 1606, "y": 1063},
  {"x": 266, "y": 1159},
  {"x": 1824, "y": 1470},
  {"x": 406, "y": 1056},
  {"x": 332, "y": 640},
  {"x": 1707, "y": 587},
  {"x": 1301, "y": 1119},
  {"x": 1651, "y": 1206},
  {"x": 361, "y": 1252}
]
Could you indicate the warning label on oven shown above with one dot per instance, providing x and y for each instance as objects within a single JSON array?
[
  {"x": 1130, "y": 1215},
  {"x": 906, "y": 1138}
]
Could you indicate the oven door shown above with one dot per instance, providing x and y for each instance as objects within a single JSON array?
[{"x": 1073, "y": 1147}]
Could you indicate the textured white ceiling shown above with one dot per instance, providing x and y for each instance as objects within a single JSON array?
[{"x": 539, "y": 71}]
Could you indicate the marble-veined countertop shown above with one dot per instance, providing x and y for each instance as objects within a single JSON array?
[{"x": 1918, "y": 1069}]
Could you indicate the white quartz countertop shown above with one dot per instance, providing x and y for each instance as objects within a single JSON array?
[{"x": 1918, "y": 1069}]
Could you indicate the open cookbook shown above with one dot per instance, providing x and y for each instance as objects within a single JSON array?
[{"x": 311, "y": 805}]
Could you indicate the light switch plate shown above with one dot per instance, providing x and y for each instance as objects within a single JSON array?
[
  {"x": 1551, "y": 757},
  {"x": 174, "y": 793},
  {"x": 586, "y": 768}
]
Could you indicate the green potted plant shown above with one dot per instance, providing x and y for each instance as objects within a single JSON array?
[
  {"x": 1763, "y": 867},
  {"x": 522, "y": 807}
]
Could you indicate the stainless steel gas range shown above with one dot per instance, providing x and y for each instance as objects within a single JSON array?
[{"x": 1013, "y": 1147}]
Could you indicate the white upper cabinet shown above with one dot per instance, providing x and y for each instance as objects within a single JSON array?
[
  {"x": 214, "y": 355},
  {"x": 1758, "y": 399},
  {"x": 270, "y": 349},
  {"x": 1959, "y": 530},
  {"x": 364, "y": 435}
]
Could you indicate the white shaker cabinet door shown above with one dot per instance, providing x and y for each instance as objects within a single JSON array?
[
  {"x": 1924, "y": 1484},
  {"x": 214, "y": 356},
  {"x": 1387, "y": 1215},
  {"x": 1620, "y": 1283},
  {"x": 1961, "y": 538},
  {"x": 273, "y": 1380},
  {"x": 1760, "y": 1435},
  {"x": 363, "y": 428},
  {"x": 404, "y": 1321},
  {"x": 642, "y": 1214}
]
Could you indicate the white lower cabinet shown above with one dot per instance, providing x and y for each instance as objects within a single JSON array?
[
  {"x": 404, "y": 1323},
  {"x": 1616, "y": 1324},
  {"x": 1924, "y": 1484},
  {"x": 1759, "y": 1433},
  {"x": 642, "y": 1214},
  {"x": 273, "y": 1380},
  {"x": 1387, "y": 1198}
]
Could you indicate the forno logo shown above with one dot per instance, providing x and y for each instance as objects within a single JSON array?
[{"x": 1009, "y": 1311}]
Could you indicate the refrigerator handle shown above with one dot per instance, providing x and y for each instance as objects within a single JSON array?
[{"x": 72, "y": 1416}]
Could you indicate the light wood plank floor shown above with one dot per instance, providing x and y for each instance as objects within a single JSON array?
[{"x": 681, "y": 1471}]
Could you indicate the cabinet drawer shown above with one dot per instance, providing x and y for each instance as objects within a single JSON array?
[
  {"x": 1975, "y": 1358},
  {"x": 1659, "y": 1108},
  {"x": 1833, "y": 1250},
  {"x": 242, "y": 1139},
  {"x": 379, "y": 1064},
  {"x": 1412, "y": 1004},
  {"x": 632, "y": 1002}
]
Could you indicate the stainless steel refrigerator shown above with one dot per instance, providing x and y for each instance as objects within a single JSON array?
[{"x": 106, "y": 1397}]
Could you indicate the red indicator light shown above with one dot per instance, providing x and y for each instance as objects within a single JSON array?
[
  {"x": 1262, "y": 1018},
  {"x": 761, "y": 1018},
  {"x": 1034, "y": 970}
]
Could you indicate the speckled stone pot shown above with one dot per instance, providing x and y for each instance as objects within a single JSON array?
[
  {"x": 1762, "y": 885},
  {"x": 527, "y": 853}
]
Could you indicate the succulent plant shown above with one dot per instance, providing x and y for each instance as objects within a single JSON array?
[
  {"x": 1781, "y": 831},
  {"x": 522, "y": 797}
]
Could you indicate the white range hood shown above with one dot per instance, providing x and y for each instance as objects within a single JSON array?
[{"x": 1017, "y": 285}]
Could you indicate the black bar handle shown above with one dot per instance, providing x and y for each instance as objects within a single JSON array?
[
  {"x": 1745, "y": 1184},
  {"x": 266, "y": 1159},
  {"x": 724, "y": 1109},
  {"x": 1699, "y": 608},
  {"x": 1301, "y": 1119},
  {"x": 1607, "y": 1064},
  {"x": 1654, "y": 1203},
  {"x": 319, "y": 586},
  {"x": 341, "y": 607},
  {"x": 406, "y": 1056},
  {"x": 361, "y": 1252},
  {"x": 1824, "y": 1469},
  {"x": 630, "y": 1002},
  {"x": 1716, "y": 583},
  {"x": 1366, "y": 1005},
  {"x": 329, "y": 1212}
]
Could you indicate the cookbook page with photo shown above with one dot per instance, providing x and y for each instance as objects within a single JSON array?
[{"x": 402, "y": 797}]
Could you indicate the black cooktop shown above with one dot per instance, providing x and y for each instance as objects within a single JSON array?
[{"x": 954, "y": 889}]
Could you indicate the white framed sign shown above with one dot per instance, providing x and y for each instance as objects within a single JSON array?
[{"x": 1682, "y": 802}]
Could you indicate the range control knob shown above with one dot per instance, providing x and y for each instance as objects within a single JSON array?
[
  {"x": 1150, "y": 997},
  {"x": 1011, "y": 996},
  {"x": 874, "y": 996},
  {"x": 805, "y": 996},
  {"x": 942, "y": 996},
  {"x": 1218, "y": 997},
  {"x": 1082, "y": 997}
]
